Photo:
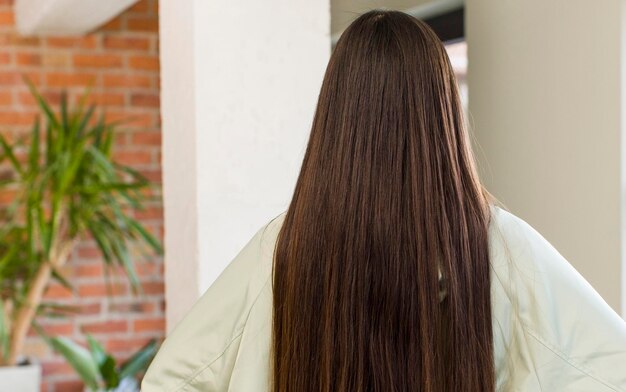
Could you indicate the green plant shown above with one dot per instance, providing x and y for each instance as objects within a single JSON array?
[
  {"x": 98, "y": 369},
  {"x": 65, "y": 186}
]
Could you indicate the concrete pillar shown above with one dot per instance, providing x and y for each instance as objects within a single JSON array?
[
  {"x": 239, "y": 86},
  {"x": 545, "y": 81}
]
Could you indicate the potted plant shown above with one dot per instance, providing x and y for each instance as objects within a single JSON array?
[
  {"x": 65, "y": 186},
  {"x": 99, "y": 370}
]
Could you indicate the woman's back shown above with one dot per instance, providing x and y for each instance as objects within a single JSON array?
[
  {"x": 392, "y": 270},
  {"x": 552, "y": 331}
]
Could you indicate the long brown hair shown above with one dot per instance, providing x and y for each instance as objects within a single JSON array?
[{"x": 387, "y": 199}]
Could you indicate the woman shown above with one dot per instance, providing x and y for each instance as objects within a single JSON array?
[{"x": 393, "y": 269}]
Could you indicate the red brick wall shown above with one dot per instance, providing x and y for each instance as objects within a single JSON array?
[{"x": 121, "y": 59}]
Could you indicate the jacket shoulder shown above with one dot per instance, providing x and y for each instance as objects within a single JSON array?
[
  {"x": 565, "y": 336},
  {"x": 203, "y": 347}
]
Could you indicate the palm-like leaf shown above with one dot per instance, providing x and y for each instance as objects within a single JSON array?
[
  {"x": 68, "y": 186},
  {"x": 140, "y": 360},
  {"x": 97, "y": 368},
  {"x": 79, "y": 358}
]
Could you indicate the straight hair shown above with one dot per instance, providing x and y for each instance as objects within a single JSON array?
[{"x": 381, "y": 267}]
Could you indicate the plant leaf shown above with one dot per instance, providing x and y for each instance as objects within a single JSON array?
[
  {"x": 56, "y": 274},
  {"x": 101, "y": 240},
  {"x": 146, "y": 235},
  {"x": 4, "y": 332},
  {"x": 97, "y": 351},
  {"x": 109, "y": 373},
  {"x": 33, "y": 156},
  {"x": 85, "y": 120},
  {"x": 140, "y": 360},
  {"x": 8, "y": 152},
  {"x": 42, "y": 103},
  {"x": 79, "y": 358},
  {"x": 64, "y": 116},
  {"x": 121, "y": 252}
]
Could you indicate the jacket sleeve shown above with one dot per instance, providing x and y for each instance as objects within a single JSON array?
[
  {"x": 575, "y": 340},
  {"x": 199, "y": 354}
]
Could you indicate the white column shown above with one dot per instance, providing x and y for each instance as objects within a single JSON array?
[
  {"x": 545, "y": 81},
  {"x": 239, "y": 86}
]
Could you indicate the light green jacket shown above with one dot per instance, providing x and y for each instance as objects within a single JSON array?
[{"x": 552, "y": 331}]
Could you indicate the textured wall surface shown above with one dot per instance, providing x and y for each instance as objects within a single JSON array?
[{"x": 121, "y": 59}]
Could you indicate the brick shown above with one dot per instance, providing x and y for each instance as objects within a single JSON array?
[
  {"x": 90, "y": 252},
  {"x": 35, "y": 347},
  {"x": 150, "y": 288},
  {"x": 90, "y": 309},
  {"x": 100, "y": 289},
  {"x": 140, "y": 23},
  {"x": 25, "y": 58},
  {"x": 145, "y": 100},
  {"x": 105, "y": 326},
  {"x": 90, "y": 270},
  {"x": 86, "y": 42},
  {"x": 150, "y": 63},
  {"x": 127, "y": 81},
  {"x": 138, "y": 120},
  {"x": 7, "y": 18},
  {"x": 57, "y": 291},
  {"x": 106, "y": 99},
  {"x": 16, "y": 118},
  {"x": 112, "y": 25},
  {"x": 121, "y": 139},
  {"x": 19, "y": 40},
  {"x": 5, "y": 58},
  {"x": 69, "y": 79},
  {"x": 149, "y": 325},
  {"x": 134, "y": 157},
  {"x": 149, "y": 213},
  {"x": 125, "y": 344},
  {"x": 126, "y": 43},
  {"x": 69, "y": 386},
  {"x": 33, "y": 75},
  {"x": 153, "y": 175},
  {"x": 149, "y": 269},
  {"x": 26, "y": 98},
  {"x": 146, "y": 138},
  {"x": 6, "y": 98},
  {"x": 7, "y": 195},
  {"x": 8, "y": 78},
  {"x": 65, "y": 328},
  {"x": 56, "y": 367},
  {"x": 16, "y": 78},
  {"x": 135, "y": 307},
  {"x": 55, "y": 60},
  {"x": 97, "y": 61}
]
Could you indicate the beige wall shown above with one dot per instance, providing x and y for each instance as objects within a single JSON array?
[{"x": 546, "y": 108}]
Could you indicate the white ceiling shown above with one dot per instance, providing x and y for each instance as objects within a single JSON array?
[{"x": 37, "y": 17}]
